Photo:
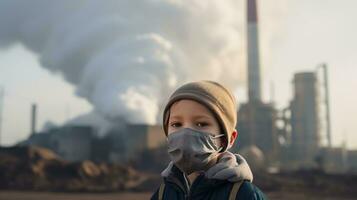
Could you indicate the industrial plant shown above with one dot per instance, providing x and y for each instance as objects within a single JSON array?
[{"x": 283, "y": 139}]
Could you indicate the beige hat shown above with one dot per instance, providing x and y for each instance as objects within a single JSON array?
[{"x": 215, "y": 97}]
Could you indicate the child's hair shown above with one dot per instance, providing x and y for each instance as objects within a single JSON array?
[{"x": 217, "y": 98}]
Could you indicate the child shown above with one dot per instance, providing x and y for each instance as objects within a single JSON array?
[{"x": 199, "y": 121}]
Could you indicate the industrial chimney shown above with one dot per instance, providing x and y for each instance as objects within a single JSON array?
[
  {"x": 327, "y": 105},
  {"x": 254, "y": 85},
  {"x": 33, "y": 118}
]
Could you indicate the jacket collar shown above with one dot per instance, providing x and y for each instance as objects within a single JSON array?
[
  {"x": 229, "y": 168},
  {"x": 201, "y": 183}
]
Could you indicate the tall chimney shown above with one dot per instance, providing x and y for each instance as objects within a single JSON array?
[
  {"x": 33, "y": 118},
  {"x": 254, "y": 85},
  {"x": 2, "y": 94},
  {"x": 327, "y": 104}
]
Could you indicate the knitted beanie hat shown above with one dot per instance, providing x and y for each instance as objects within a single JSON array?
[{"x": 218, "y": 99}]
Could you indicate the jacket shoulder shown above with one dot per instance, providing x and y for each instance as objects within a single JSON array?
[{"x": 250, "y": 192}]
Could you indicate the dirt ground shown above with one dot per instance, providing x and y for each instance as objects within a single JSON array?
[
  {"x": 25, "y": 170},
  {"x": 21, "y": 195}
]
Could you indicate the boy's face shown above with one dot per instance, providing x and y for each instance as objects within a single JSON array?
[{"x": 191, "y": 114}]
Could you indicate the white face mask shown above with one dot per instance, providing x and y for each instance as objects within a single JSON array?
[{"x": 192, "y": 150}]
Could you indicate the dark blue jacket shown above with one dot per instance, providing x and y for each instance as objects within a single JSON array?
[{"x": 178, "y": 188}]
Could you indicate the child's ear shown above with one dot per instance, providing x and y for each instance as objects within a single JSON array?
[{"x": 233, "y": 138}]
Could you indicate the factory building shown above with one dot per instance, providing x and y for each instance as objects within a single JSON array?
[
  {"x": 352, "y": 161},
  {"x": 333, "y": 160},
  {"x": 305, "y": 120},
  {"x": 119, "y": 145},
  {"x": 72, "y": 143},
  {"x": 125, "y": 144},
  {"x": 256, "y": 127}
]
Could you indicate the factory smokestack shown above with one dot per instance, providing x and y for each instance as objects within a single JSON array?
[
  {"x": 33, "y": 118},
  {"x": 327, "y": 104},
  {"x": 254, "y": 85}
]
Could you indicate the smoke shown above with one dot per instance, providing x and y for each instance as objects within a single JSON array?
[{"x": 125, "y": 57}]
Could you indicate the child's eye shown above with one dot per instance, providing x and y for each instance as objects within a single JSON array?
[
  {"x": 202, "y": 124},
  {"x": 175, "y": 124}
]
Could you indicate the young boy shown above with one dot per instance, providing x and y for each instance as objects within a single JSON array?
[{"x": 199, "y": 121}]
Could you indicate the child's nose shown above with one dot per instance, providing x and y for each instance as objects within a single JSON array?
[{"x": 187, "y": 125}]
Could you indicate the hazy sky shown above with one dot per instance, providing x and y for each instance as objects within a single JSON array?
[{"x": 296, "y": 35}]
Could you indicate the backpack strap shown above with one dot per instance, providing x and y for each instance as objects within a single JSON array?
[
  {"x": 234, "y": 190},
  {"x": 161, "y": 191}
]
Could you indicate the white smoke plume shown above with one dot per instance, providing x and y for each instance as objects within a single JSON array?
[{"x": 126, "y": 56}]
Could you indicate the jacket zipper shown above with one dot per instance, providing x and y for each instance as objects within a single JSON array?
[{"x": 188, "y": 188}]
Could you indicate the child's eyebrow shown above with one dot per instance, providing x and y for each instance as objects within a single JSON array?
[
  {"x": 201, "y": 116},
  {"x": 175, "y": 117}
]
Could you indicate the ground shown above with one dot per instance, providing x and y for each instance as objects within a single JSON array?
[{"x": 21, "y": 195}]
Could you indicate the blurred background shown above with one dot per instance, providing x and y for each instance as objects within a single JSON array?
[{"x": 83, "y": 85}]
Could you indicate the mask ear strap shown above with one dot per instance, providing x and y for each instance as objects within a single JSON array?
[
  {"x": 220, "y": 149},
  {"x": 215, "y": 137}
]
